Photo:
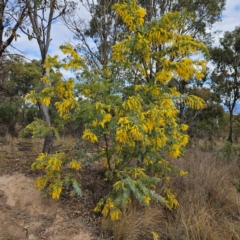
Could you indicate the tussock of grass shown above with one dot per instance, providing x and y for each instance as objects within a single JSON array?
[
  {"x": 209, "y": 205},
  {"x": 136, "y": 224}
]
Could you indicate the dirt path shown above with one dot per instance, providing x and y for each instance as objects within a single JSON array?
[{"x": 25, "y": 214}]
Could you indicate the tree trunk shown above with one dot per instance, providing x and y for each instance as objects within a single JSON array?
[
  {"x": 181, "y": 109},
  {"x": 48, "y": 141},
  {"x": 230, "y": 137}
]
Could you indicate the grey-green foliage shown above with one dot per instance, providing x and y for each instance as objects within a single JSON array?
[
  {"x": 228, "y": 152},
  {"x": 39, "y": 129}
]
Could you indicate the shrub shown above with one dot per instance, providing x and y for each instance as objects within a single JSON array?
[
  {"x": 8, "y": 117},
  {"x": 131, "y": 115}
]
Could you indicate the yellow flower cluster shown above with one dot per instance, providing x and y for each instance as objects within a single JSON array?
[
  {"x": 56, "y": 189},
  {"x": 107, "y": 118},
  {"x": 45, "y": 79},
  {"x": 164, "y": 77},
  {"x": 41, "y": 182},
  {"x": 53, "y": 179},
  {"x": 65, "y": 106},
  {"x": 170, "y": 199},
  {"x": 120, "y": 51},
  {"x": 110, "y": 208},
  {"x": 159, "y": 142},
  {"x": 161, "y": 33},
  {"x": 89, "y": 136},
  {"x": 75, "y": 61},
  {"x": 147, "y": 200},
  {"x": 158, "y": 35},
  {"x": 54, "y": 164},
  {"x": 194, "y": 102},
  {"x": 175, "y": 150},
  {"x": 31, "y": 97},
  {"x": 115, "y": 214},
  {"x": 182, "y": 173},
  {"x": 131, "y": 13},
  {"x": 142, "y": 46},
  {"x": 66, "y": 95},
  {"x": 183, "y": 127},
  {"x": 122, "y": 137},
  {"x": 137, "y": 172},
  {"x": 65, "y": 89},
  {"x": 148, "y": 161},
  {"x": 50, "y": 61},
  {"x": 155, "y": 236},
  {"x": 118, "y": 185},
  {"x": 75, "y": 165},
  {"x": 133, "y": 103},
  {"x": 50, "y": 163},
  {"x": 45, "y": 100}
]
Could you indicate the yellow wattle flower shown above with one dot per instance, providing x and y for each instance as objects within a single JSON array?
[
  {"x": 88, "y": 135},
  {"x": 75, "y": 165},
  {"x": 45, "y": 100},
  {"x": 56, "y": 190}
]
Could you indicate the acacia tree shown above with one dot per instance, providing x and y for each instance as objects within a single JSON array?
[
  {"x": 138, "y": 132},
  {"x": 226, "y": 76},
  {"x": 41, "y": 15},
  {"x": 97, "y": 36}
]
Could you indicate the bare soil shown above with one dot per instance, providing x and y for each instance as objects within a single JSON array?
[{"x": 26, "y": 214}]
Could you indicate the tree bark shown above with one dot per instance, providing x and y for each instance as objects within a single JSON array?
[
  {"x": 48, "y": 141},
  {"x": 230, "y": 137}
]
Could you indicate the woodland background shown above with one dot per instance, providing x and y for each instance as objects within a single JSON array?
[{"x": 208, "y": 199}]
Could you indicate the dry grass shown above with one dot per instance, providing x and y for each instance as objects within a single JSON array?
[
  {"x": 66, "y": 142},
  {"x": 135, "y": 224},
  {"x": 209, "y": 205}
]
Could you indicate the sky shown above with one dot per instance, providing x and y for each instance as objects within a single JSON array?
[
  {"x": 60, "y": 34},
  {"x": 230, "y": 18}
]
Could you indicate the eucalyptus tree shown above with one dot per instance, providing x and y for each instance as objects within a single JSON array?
[
  {"x": 41, "y": 15},
  {"x": 12, "y": 15},
  {"x": 97, "y": 28},
  {"x": 226, "y": 75},
  {"x": 17, "y": 78}
]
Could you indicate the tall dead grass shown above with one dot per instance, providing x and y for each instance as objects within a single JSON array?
[{"x": 209, "y": 205}]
